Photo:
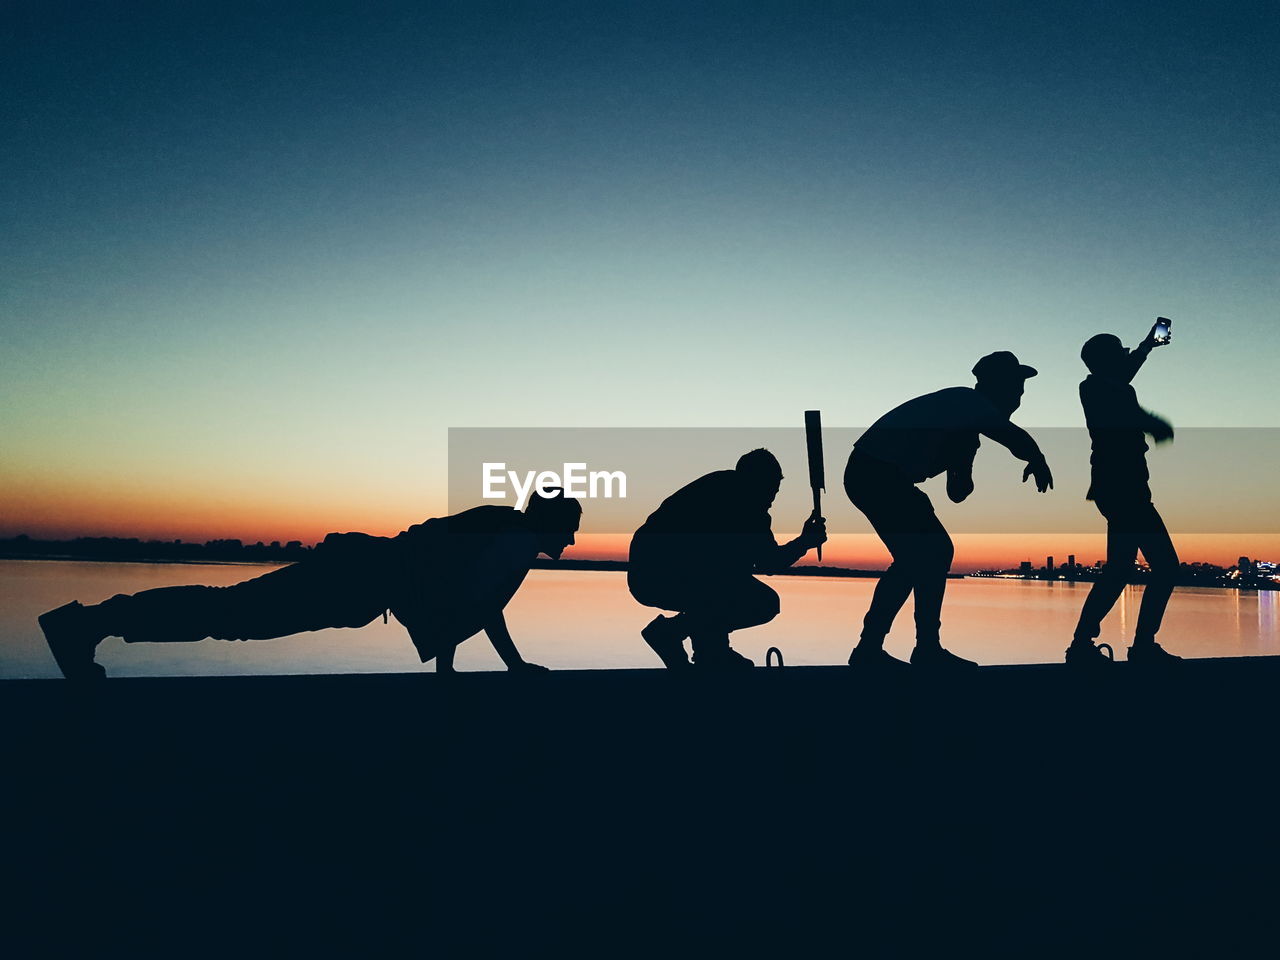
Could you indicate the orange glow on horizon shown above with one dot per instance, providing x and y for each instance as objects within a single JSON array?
[
  {"x": 55, "y": 511},
  {"x": 147, "y": 514}
]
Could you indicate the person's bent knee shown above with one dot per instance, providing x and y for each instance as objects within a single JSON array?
[
  {"x": 650, "y": 591},
  {"x": 937, "y": 558},
  {"x": 764, "y": 606},
  {"x": 770, "y": 605}
]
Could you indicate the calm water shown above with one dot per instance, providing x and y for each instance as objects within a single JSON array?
[{"x": 576, "y": 620}]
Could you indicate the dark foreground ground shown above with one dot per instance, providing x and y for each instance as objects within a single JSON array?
[{"x": 793, "y": 812}]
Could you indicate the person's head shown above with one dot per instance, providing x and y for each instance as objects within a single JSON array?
[
  {"x": 1103, "y": 354},
  {"x": 1001, "y": 379},
  {"x": 761, "y": 473},
  {"x": 554, "y": 518}
]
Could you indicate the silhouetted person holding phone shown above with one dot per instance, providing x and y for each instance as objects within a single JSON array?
[
  {"x": 911, "y": 443},
  {"x": 445, "y": 580},
  {"x": 696, "y": 555},
  {"x": 1118, "y": 428}
]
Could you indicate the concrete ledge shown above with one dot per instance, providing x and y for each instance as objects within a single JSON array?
[{"x": 612, "y": 810}]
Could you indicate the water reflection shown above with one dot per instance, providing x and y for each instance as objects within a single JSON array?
[
  {"x": 1266, "y": 601},
  {"x": 578, "y": 620}
]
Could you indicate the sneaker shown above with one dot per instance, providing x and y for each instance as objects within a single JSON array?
[
  {"x": 1152, "y": 655},
  {"x": 665, "y": 637},
  {"x": 72, "y": 640},
  {"x": 876, "y": 659},
  {"x": 721, "y": 659},
  {"x": 938, "y": 660},
  {"x": 1085, "y": 653}
]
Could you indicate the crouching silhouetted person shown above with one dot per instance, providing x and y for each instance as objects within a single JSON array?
[
  {"x": 920, "y": 439},
  {"x": 1119, "y": 488},
  {"x": 696, "y": 555},
  {"x": 444, "y": 580}
]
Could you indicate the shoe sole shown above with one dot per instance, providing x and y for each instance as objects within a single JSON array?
[{"x": 70, "y": 661}]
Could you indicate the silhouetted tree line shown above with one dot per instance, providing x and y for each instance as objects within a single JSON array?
[{"x": 131, "y": 548}]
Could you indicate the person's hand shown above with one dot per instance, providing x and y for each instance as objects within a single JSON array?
[
  {"x": 1149, "y": 342},
  {"x": 525, "y": 667},
  {"x": 1161, "y": 430},
  {"x": 813, "y": 533},
  {"x": 1040, "y": 470}
]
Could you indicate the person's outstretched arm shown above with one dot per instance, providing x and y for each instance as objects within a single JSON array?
[
  {"x": 1020, "y": 443},
  {"x": 498, "y": 634},
  {"x": 1160, "y": 429}
]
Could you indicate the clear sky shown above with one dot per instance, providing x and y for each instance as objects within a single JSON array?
[{"x": 257, "y": 259}]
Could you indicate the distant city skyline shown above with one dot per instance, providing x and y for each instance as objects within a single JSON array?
[
  {"x": 1246, "y": 571},
  {"x": 855, "y": 551}
]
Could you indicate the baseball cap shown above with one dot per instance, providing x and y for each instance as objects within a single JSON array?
[{"x": 1002, "y": 365}]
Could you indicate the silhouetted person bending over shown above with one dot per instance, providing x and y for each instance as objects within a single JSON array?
[
  {"x": 1118, "y": 487},
  {"x": 696, "y": 555},
  {"x": 445, "y": 580},
  {"x": 908, "y": 445}
]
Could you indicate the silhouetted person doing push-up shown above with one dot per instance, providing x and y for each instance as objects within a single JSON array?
[
  {"x": 1119, "y": 488},
  {"x": 911, "y": 443},
  {"x": 696, "y": 555},
  {"x": 445, "y": 580}
]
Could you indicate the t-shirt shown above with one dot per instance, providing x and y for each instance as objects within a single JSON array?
[
  {"x": 930, "y": 434},
  {"x": 1118, "y": 463},
  {"x": 713, "y": 521}
]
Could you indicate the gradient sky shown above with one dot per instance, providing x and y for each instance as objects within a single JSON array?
[{"x": 257, "y": 259}]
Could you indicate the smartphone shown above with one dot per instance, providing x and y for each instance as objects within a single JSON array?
[{"x": 1164, "y": 331}]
